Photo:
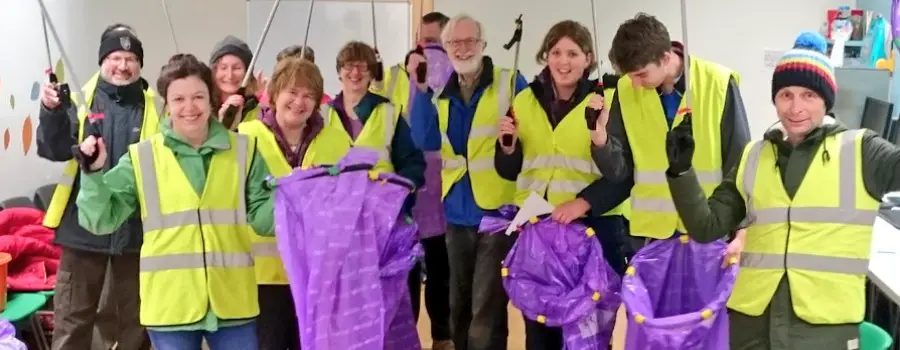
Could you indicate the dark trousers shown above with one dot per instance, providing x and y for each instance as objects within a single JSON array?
[
  {"x": 437, "y": 287},
  {"x": 612, "y": 231},
  {"x": 478, "y": 301},
  {"x": 79, "y": 285},
  {"x": 276, "y": 326}
]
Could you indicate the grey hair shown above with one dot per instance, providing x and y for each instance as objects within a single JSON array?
[{"x": 445, "y": 34}]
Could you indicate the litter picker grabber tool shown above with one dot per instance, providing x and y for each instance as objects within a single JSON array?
[
  {"x": 687, "y": 65},
  {"x": 62, "y": 89},
  {"x": 590, "y": 114},
  {"x": 309, "y": 14},
  {"x": 231, "y": 112},
  {"x": 507, "y": 139},
  {"x": 422, "y": 68},
  {"x": 378, "y": 72},
  {"x": 165, "y": 6},
  {"x": 93, "y": 128}
]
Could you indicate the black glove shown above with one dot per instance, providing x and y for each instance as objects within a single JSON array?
[{"x": 680, "y": 147}]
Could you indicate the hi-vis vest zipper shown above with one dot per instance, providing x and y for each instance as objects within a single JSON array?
[
  {"x": 490, "y": 190},
  {"x": 653, "y": 213},
  {"x": 820, "y": 239},
  {"x": 198, "y": 243},
  {"x": 63, "y": 191}
]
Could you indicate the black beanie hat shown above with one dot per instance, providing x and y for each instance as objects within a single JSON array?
[
  {"x": 231, "y": 45},
  {"x": 120, "y": 37}
]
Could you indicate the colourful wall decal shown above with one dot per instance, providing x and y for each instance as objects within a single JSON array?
[
  {"x": 12, "y": 101},
  {"x": 27, "y": 134},
  {"x": 6, "y": 139},
  {"x": 35, "y": 91}
]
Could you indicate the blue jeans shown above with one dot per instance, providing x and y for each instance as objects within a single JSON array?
[{"x": 241, "y": 337}]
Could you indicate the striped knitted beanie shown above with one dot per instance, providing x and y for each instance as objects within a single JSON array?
[{"x": 806, "y": 65}]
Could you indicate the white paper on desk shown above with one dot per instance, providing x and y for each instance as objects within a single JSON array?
[{"x": 534, "y": 205}]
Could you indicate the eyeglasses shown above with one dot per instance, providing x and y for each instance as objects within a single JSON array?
[
  {"x": 468, "y": 42},
  {"x": 361, "y": 67}
]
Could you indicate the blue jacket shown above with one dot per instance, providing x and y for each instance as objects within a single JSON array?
[
  {"x": 459, "y": 205},
  {"x": 407, "y": 159}
]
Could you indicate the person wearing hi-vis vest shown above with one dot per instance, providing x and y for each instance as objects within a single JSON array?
[
  {"x": 808, "y": 193},
  {"x": 199, "y": 190},
  {"x": 122, "y": 108},
  {"x": 462, "y": 122},
  {"x": 285, "y": 134},
  {"x": 551, "y": 155},
  {"x": 629, "y": 140}
]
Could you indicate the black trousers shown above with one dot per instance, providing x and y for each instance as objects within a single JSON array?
[
  {"x": 437, "y": 287},
  {"x": 276, "y": 326},
  {"x": 612, "y": 231},
  {"x": 478, "y": 301}
]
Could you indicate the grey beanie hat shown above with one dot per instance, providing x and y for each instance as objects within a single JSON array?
[{"x": 231, "y": 45}]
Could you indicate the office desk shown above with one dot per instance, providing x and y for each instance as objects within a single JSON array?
[{"x": 884, "y": 262}]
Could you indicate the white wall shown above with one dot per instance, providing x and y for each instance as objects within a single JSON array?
[
  {"x": 198, "y": 24},
  {"x": 733, "y": 33}
]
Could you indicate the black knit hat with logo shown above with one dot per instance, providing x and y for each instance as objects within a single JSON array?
[{"x": 120, "y": 37}]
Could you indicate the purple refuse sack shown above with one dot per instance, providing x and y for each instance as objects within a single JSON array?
[
  {"x": 675, "y": 293},
  {"x": 346, "y": 254},
  {"x": 429, "y": 209},
  {"x": 556, "y": 274}
]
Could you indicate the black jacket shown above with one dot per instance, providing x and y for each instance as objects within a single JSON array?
[{"x": 123, "y": 110}]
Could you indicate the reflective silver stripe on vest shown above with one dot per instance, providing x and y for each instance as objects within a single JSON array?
[
  {"x": 665, "y": 205},
  {"x": 66, "y": 180},
  {"x": 555, "y": 161},
  {"x": 156, "y": 220},
  {"x": 195, "y": 261},
  {"x": 475, "y": 165},
  {"x": 560, "y": 186},
  {"x": 265, "y": 249},
  {"x": 659, "y": 177},
  {"x": 845, "y": 213},
  {"x": 393, "y": 84}
]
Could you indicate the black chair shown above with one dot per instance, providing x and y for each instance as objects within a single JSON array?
[
  {"x": 43, "y": 195},
  {"x": 877, "y": 116},
  {"x": 895, "y": 131},
  {"x": 17, "y": 202}
]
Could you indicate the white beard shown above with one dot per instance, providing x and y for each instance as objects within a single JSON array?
[{"x": 468, "y": 66}]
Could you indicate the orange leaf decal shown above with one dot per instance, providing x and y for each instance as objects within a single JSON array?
[
  {"x": 27, "y": 134},
  {"x": 6, "y": 139}
]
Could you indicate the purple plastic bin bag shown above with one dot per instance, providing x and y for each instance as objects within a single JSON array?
[
  {"x": 343, "y": 247},
  {"x": 429, "y": 209},
  {"x": 556, "y": 274},
  {"x": 8, "y": 340},
  {"x": 675, "y": 292}
]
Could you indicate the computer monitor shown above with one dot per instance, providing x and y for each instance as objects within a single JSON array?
[{"x": 877, "y": 116}]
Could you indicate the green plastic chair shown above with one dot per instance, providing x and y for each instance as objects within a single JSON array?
[
  {"x": 20, "y": 306},
  {"x": 872, "y": 337}
]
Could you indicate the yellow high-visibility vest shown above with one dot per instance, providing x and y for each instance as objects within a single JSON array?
[
  {"x": 820, "y": 238},
  {"x": 395, "y": 87},
  {"x": 197, "y": 251},
  {"x": 268, "y": 264},
  {"x": 556, "y": 162},
  {"x": 653, "y": 213},
  {"x": 63, "y": 191},
  {"x": 334, "y": 142},
  {"x": 490, "y": 190}
]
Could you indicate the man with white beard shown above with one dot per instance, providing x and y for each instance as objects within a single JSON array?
[
  {"x": 122, "y": 112},
  {"x": 461, "y": 121}
]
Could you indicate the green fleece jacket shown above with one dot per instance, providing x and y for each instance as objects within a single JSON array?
[
  {"x": 106, "y": 200},
  {"x": 778, "y": 328}
]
